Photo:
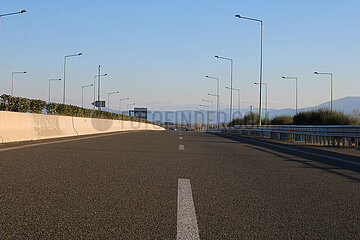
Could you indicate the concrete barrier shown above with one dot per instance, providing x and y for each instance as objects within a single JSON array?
[{"x": 29, "y": 126}]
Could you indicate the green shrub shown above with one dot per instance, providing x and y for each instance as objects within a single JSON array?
[
  {"x": 18, "y": 104},
  {"x": 282, "y": 120},
  {"x": 323, "y": 117},
  {"x": 36, "y": 106},
  {"x": 251, "y": 119}
]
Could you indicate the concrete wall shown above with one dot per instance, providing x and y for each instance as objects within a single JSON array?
[{"x": 29, "y": 126}]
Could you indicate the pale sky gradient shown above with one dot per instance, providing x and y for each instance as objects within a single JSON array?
[{"x": 158, "y": 52}]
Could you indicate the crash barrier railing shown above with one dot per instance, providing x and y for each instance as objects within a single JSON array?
[{"x": 339, "y": 135}]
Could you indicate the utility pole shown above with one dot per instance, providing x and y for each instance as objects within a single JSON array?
[{"x": 99, "y": 75}]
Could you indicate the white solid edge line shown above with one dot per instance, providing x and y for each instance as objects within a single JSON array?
[
  {"x": 187, "y": 227},
  {"x": 181, "y": 147},
  {"x": 309, "y": 153},
  {"x": 62, "y": 141}
]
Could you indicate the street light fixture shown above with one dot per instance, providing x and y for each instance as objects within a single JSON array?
[
  {"x": 12, "y": 81},
  {"x": 266, "y": 98},
  {"x": 231, "y": 82},
  {"x": 127, "y": 107},
  {"x": 122, "y": 99},
  {"x": 211, "y": 102},
  {"x": 261, "y": 57},
  {"x": 13, "y": 13},
  {"x": 217, "y": 99},
  {"x": 53, "y": 79},
  {"x": 331, "y": 83},
  {"x": 205, "y": 106},
  {"x": 103, "y": 75},
  {"x": 109, "y": 98},
  {"x": 67, "y": 56},
  {"x": 296, "y": 86},
  {"x": 82, "y": 93},
  {"x": 212, "y": 107},
  {"x": 238, "y": 90}
]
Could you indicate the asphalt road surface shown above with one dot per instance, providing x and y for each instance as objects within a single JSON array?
[{"x": 176, "y": 185}]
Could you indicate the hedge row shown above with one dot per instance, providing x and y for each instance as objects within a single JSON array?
[
  {"x": 323, "y": 117},
  {"x": 26, "y": 105},
  {"x": 317, "y": 117}
]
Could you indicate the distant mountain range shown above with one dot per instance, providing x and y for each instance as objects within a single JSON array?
[{"x": 346, "y": 105}]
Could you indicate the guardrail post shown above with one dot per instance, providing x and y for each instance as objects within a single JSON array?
[
  {"x": 357, "y": 143},
  {"x": 333, "y": 141},
  {"x": 349, "y": 142},
  {"x": 344, "y": 142}
]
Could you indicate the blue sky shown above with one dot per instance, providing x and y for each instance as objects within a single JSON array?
[{"x": 158, "y": 52}]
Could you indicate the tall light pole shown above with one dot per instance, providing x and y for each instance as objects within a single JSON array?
[
  {"x": 50, "y": 80},
  {"x": 231, "y": 82},
  {"x": 205, "y": 106},
  {"x": 331, "y": 79},
  {"x": 266, "y": 97},
  {"x": 12, "y": 81},
  {"x": 217, "y": 109},
  {"x": 127, "y": 107},
  {"x": 122, "y": 99},
  {"x": 12, "y": 13},
  {"x": 82, "y": 93},
  {"x": 261, "y": 58},
  {"x": 67, "y": 56},
  {"x": 212, "y": 106},
  {"x": 103, "y": 75},
  {"x": 211, "y": 102},
  {"x": 117, "y": 92},
  {"x": 238, "y": 90},
  {"x": 296, "y": 90},
  {"x": 217, "y": 98}
]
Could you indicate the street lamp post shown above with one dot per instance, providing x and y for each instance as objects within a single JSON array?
[
  {"x": 296, "y": 86},
  {"x": 331, "y": 83},
  {"x": 266, "y": 98},
  {"x": 205, "y": 106},
  {"x": 67, "y": 56},
  {"x": 53, "y": 79},
  {"x": 217, "y": 109},
  {"x": 103, "y": 75},
  {"x": 261, "y": 58},
  {"x": 122, "y": 99},
  {"x": 231, "y": 82},
  {"x": 12, "y": 81},
  {"x": 109, "y": 98},
  {"x": 217, "y": 98},
  {"x": 127, "y": 107},
  {"x": 238, "y": 90},
  {"x": 12, "y": 13},
  {"x": 212, "y": 107},
  {"x": 82, "y": 93}
]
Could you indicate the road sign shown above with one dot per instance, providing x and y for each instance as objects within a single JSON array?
[{"x": 98, "y": 103}]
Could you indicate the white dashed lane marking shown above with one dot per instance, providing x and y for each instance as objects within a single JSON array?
[
  {"x": 180, "y": 138},
  {"x": 181, "y": 147},
  {"x": 187, "y": 227}
]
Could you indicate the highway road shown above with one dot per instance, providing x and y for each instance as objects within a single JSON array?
[{"x": 176, "y": 185}]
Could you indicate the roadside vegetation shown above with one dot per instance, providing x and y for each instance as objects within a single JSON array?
[
  {"x": 316, "y": 117},
  {"x": 26, "y": 105}
]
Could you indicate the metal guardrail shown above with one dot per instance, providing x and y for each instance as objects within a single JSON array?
[{"x": 339, "y": 135}]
